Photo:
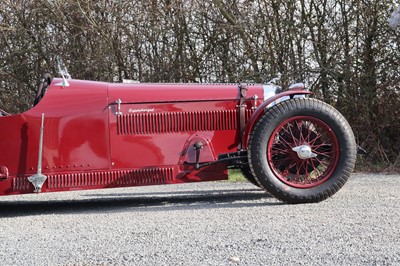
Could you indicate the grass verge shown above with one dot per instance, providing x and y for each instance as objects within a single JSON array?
[{"x": 235, "y": 175}]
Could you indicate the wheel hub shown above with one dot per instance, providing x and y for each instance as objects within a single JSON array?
[{"x": 304, "y": 152}]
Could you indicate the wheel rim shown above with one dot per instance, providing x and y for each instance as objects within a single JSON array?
[{"x": 303, "y": 152}]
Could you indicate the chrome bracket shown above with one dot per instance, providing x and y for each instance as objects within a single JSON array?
[
  {"x": 38, "y": 179},
  {"x": 118, "y": 112},
  {"x": 255, "y": 98}
]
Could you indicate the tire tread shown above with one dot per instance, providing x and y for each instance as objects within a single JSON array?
[{"x": 281, "y": 112}]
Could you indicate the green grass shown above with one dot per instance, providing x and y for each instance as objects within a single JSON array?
[{"x": 235, "y": 175}]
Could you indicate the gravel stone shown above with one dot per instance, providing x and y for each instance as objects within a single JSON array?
[{"x": 213, "y": 223}]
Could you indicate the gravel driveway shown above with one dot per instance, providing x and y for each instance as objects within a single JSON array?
[{"x": 215, "y": 223}]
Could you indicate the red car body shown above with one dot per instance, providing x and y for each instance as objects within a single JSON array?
[{"x": 102, "y": 135}]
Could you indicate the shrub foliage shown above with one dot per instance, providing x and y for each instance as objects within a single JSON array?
[{"x": 344, "y": 51}]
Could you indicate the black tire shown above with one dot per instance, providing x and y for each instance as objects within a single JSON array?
[
  {"x": 246, "y": 171},
  {"x": 314, "y": 173}
]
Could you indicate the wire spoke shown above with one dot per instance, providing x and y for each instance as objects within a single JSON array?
[
  {"x": 283, "y": 151},
  {"x": 287, "y": 164}
]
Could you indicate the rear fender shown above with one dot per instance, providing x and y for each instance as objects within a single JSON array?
[{"x": 268, "y": 103}]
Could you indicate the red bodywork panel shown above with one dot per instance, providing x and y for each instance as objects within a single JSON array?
[{"x": 99, "y": 135}]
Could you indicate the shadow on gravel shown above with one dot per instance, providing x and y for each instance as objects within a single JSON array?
[
  {"x": 139, "y": 202},
  {"x": 173, "y": 193}
]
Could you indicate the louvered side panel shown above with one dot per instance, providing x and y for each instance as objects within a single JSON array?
[
  {"x": 155, "y": 123},
  {"x": 248, "y": 114},
  {"x": 114, "y": 178},
  {"x": 21, "y": 184}
]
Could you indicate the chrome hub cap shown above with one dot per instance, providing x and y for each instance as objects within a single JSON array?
[{"x": 304, "y": 152}]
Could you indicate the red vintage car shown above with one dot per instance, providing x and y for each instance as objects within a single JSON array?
[{"x": 92, "y": 135}]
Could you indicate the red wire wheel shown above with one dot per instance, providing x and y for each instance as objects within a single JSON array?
[
  {"x": 301, "y": 150},
  {"x": 307, "y": 170}
]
